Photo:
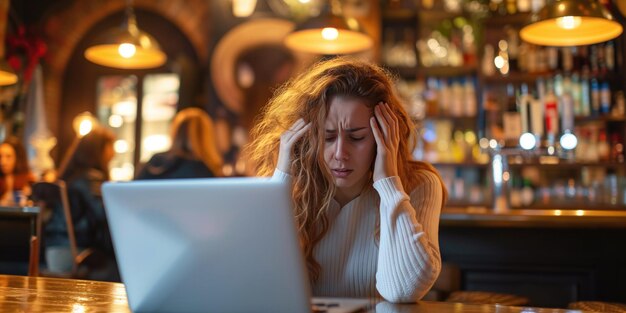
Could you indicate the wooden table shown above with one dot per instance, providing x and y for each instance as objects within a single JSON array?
[{"x": 38, "y": 294}]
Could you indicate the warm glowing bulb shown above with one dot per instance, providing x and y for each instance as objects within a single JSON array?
[
  {"x": 499, "y": 61},
  {"x": 85, "y": 127},
  {"x": 304, "y": 1},
  {"x": 120, "y": 146},
  {"x": 527, "y": 141},
  {"x": 330, "y": 33},
  {"x": 116, "y": 121},
  {"x": 569, "y": 22},
  {"x": 127, "y": 50}
]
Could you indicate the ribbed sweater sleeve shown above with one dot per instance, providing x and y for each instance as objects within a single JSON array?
[{"x": 408, "y": 260}]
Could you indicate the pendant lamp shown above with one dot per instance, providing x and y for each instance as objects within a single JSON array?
[
  {"x": 127, "y": 47},
  {"x": 571, "y": 23},
  {"x": 329, "y": 34},
  {"x": 7, "y": 75}
]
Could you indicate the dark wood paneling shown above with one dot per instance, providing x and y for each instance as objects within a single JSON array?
[{"x": 551, "y": 267}]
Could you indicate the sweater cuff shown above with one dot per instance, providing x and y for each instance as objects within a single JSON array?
[
  {"x": 390, "y": 190},
  {"x": 281, "y": 176}
]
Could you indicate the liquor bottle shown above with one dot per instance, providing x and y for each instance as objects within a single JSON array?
[
  {"x": 567, "y": 112},
  {"x": 605, "y": 98},
  {"x": 604, "y": 149},
  {"x": 511, "y": 118},
  {"x": 617, "y": 148},
  {"x": 524, "y": 101},
  {"x": 595, "y": 97},
  {"x": 511, "y": 6},
  {"x": 576, "y": 95},
  {"x": 470, "y": 97},
  {"x": 552, "y": 114},
  {"x": 585, "y": 94},
  {"x": 609, "y": 55}
]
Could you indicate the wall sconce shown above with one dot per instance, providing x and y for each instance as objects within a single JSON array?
[
  {"x": 7, "y": 75},
  {"x": 329, "y": 34},
  {"x": 127, "y": 47},
  {"x": 83, "y": 123},
  {"x": 571, "y": 23}
]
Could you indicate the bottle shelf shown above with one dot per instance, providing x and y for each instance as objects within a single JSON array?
[
  {"x": 600, "y": 118},
  {"x": 459, "y": 164},
  {"x": 450, "y": 117},
  {"x": 399, "y": 15},
  {"x": 499, "y": 21},
  {"x": 569, "y": 165},
  {"x": 515, "y": 77},
  {"x": 406, "y": 72},
  {"x": 447, "y": 71},
  {"x": 429, "y": 17}
]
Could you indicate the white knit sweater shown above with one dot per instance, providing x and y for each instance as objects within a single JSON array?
[{"x": 404, "y": 264}]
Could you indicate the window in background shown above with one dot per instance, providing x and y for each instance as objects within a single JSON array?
[
  {"x": 117, "y": 108},
  {"x": 160, "y": 98}
]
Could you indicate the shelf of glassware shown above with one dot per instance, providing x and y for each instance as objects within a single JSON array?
[{"x": 550, "y": 182}]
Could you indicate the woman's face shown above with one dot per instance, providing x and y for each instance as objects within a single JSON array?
[
  {"x": 349, "y": 147},
  {"x": 7, "y": 158}
]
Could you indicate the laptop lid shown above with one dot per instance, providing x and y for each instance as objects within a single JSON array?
[{"x": 198, "y": 245}]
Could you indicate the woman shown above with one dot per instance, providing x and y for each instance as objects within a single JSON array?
[
  {"x": 86, "y": 170},
  {"x": 193, "y": 153},
  {"x": 339, "y": 134},
  {"x": 15, "y": 173}
]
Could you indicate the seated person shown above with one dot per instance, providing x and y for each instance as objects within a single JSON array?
[
  {"x": 86, "y": 170},
  {"x": 193, "y": 153},
  {"x": 367, "y": 214},
  {"x": 15, "y": 175}
]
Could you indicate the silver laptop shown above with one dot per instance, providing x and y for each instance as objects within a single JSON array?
[{"x": 211, "y": 245}]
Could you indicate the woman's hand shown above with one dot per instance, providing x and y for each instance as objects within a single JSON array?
[
  {"x": 386, "y": 133},
  {"x": 287, "y": 141}
]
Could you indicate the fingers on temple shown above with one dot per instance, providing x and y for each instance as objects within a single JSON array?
[{"x": 376, "y": 131}]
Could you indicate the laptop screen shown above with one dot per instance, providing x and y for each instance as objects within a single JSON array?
[{"x": 197, "y": 245}]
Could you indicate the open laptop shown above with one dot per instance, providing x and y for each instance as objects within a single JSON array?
[{"x": 211, "y": 245}]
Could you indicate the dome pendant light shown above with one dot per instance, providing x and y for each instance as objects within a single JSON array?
[
  {"x": 329, "y": 34},
  {"x": 571, "y": 23},
  {"x": 127, "y": 47}
]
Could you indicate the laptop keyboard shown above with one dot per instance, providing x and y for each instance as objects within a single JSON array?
[{"x": 322, "y": 307}]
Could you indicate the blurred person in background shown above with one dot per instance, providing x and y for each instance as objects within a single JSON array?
[
  {"x": 15, "y": 173},
  {"x": 87, "y": 168},
  {"x": 193, "y": 153}
]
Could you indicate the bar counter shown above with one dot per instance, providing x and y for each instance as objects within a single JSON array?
[
  {"x": 551, "y": 257},
  {"x": 38, "y": 294},
  {"x": 484, "y": 217}
]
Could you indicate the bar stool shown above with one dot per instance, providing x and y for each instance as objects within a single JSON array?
[
  {"x": 598, "y": 306},
  {"x": 486, "y": 297}
]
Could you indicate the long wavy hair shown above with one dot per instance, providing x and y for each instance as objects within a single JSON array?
[
  {"x": 308, "y": 96},
  {"x": 193, "y": 136},
  {"x": 88, "y": 154}
]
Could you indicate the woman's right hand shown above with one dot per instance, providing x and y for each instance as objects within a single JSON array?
[{"x": 287, "y": 140}]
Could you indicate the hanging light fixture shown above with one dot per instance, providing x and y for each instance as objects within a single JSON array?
[
  {"x": 7, "y": 75},
  {"x": 329, "y": 34},
  {"x": 127, "y": 47},
  {"x": 571, "y": 23}
]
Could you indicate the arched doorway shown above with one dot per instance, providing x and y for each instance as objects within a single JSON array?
[{"x": 93, "y": 88}]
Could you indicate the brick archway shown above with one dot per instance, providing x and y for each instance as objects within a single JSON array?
[{"x": 65, "y": 28}]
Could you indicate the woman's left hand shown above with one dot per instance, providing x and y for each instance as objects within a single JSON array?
[{"x": 386, "y": 133}]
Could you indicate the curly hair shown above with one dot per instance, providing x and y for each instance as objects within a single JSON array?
[{"x": 308, "y": 96}]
